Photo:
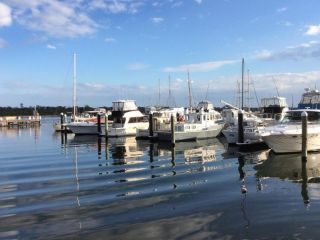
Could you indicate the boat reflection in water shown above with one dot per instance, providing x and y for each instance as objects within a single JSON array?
[
  {"x": 291, "y": 167},
  {"x": 194, "y": 152},
  {"x": 138, "y": 166}
]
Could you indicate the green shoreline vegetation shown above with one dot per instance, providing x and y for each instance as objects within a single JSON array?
[{"x": 42, "y": 110}]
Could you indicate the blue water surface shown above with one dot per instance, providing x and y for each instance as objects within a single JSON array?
[{"x": 55, "y": 186}]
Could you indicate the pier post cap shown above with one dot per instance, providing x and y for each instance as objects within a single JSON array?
[
  {"x": 241, "y": 111},
  {"x": 304, "y": 114},
  {"x": 61, "y": 114}
]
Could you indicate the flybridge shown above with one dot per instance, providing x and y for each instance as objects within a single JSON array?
[
  {"x": 310, "y": 99},
  {"x": 124, "y": 105}
]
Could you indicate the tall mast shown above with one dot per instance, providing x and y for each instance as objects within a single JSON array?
[
  {"x": 242, "y": 76},
  {"x": 159, "y": 93},
  {"x": 74, "y": 86},
  {"x": 190, "y": 96},
  {"x": 248, "y": 90},
  {"x": 169, "y": 90}
]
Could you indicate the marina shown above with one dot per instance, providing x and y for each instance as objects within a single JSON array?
[
  {"x": 125, "y": 188},
  {"x": 169, "y": 120}
]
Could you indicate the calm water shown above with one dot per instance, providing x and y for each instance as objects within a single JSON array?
[{"x": 53, "y": 187}]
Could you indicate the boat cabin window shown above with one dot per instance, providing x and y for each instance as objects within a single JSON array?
[
  {"x": 119, "y": 120},
  {"x": 138, "y": 119},
  {"x": 296, "y": 116}
]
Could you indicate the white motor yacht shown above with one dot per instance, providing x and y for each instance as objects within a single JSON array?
[
  {"x": 285, "y": 137},
  {"x": 203, "y": 123}
]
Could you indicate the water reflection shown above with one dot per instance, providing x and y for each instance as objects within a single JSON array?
[
  {"x": 128, "y": 160},
  {"x": 13, "y": 132},
  {"x": 291, "y": 167}
]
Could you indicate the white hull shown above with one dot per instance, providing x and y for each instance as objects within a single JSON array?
[
  {"x": 82, "y": 128},
  {"x": 130, "y": 129},
  {"x": 290, "y": 143},
  {"x": 231, "y": 135},
  {"x": 191, "y": 135},
  {"x": 121, "y": 132}
]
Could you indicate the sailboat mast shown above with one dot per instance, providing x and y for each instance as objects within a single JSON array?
[
  {"x": 189, "y": 87},
  {"x": 159, "y": 93},
  {"x": 242, "y": 76},
  {"x": 248, "y": 90},
  {"x": 74, "y": 85}
]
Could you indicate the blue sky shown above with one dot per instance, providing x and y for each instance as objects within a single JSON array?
[{"x": 125, "y": 48}]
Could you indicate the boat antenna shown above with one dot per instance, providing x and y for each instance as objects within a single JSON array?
[
  {"x": 248, "y": 90},
  {"x": 159, "y": 92},
  {"x": 74, "y": 86},
  {"x": 190, "y": 95},
  {"x": 171, "y": 101},
  {"x": 274, "y": 82},
  {"x": 242, "y": 76}
]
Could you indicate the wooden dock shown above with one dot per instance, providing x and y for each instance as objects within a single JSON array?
[{"x": 20, "y": 121}]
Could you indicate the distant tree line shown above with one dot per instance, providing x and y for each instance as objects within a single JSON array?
[{"x": 42, "y": 110}]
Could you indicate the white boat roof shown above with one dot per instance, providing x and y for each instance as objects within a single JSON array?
[
  {"x": 135, "y": 113},
  {"x": 273, "y": 101},
  {"x": 205, "y": 104},
  {"x": 304, "y": 110},
  {"x": 124, "y": 105}
]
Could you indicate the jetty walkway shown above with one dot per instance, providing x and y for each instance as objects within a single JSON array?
[{"x": 20, "y": 121}]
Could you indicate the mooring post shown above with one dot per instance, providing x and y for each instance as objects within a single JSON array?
[
  {"x": 304, "y": 185},
  {"x": 106, "y": 125},
  {"x": 61, "y": 122},
  {"x": 99, "y": 147},
  {"x": 150, "y": 125},
  {"x": 65, "y": 123},
  {"x": 99, "y": 124},
  {"x": 304, "y": 136},
  {"x": 173, "y": 137},
  {"x": 240, "y": 127}
]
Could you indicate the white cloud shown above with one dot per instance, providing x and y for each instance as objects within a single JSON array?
[
  {"x": 298, "y": 52},
  {"x": 115, "y": 6},
  {"x": 198, "y": 1},
  {"x": 286, "y": 82},
  {"x": 3, "y": 43},
  {"x": 200, "y": 67},
  {"x": 92, "y": 86},
  {"x": 50, "y": 46},
  {"x": 110, "y": 40},
  {"x": 263, "y": 54},
  {"x": 5, "y": 15},
  {"x": 137, "y": 66},
  {"x": 313, "y": 30},
  {"x": 55, "y": 18},
  {"x": 283, "y": 9},
  {"x": 157, "y": 20},
  {"x": 97, "y": 4}
]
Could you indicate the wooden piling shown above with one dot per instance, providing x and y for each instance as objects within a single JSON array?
[
  {"x": 173, "y": 137},
  {"x": 61, "y": 121},
  {"x": 106, "y": 125},
  {"x": 99, "y": 124},
  {"x": 240, "y": 127},
  {"x": 304, "y": 136},
  {"x": 150, "y": 125},
  {"x": 65, "y": 123}
]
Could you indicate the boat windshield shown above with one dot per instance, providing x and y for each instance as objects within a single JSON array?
[{"x": 296, "y": 116}]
